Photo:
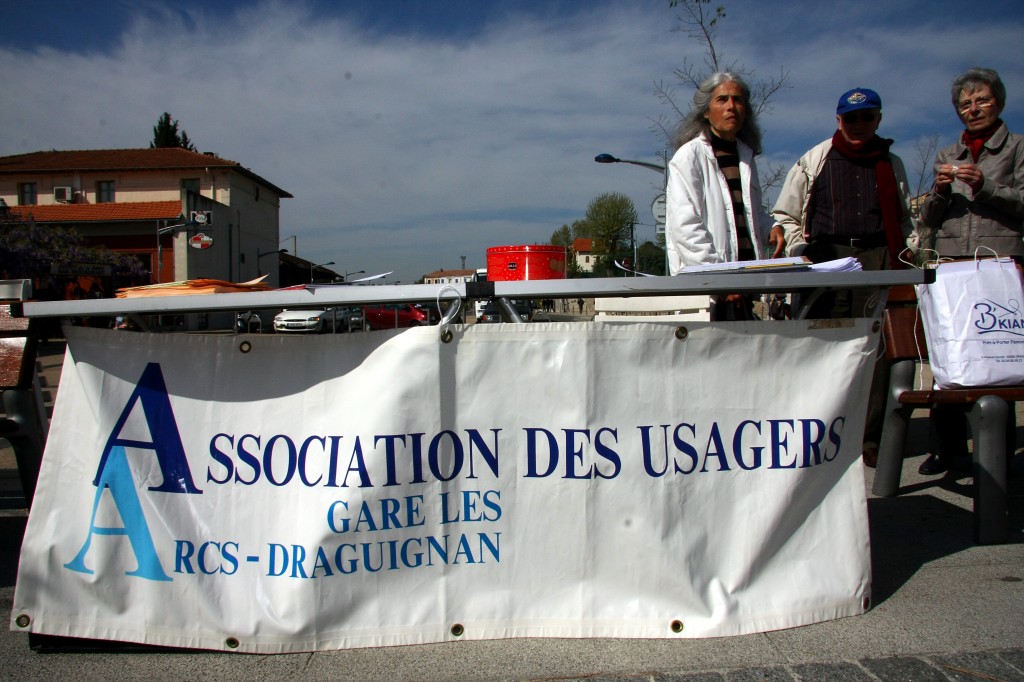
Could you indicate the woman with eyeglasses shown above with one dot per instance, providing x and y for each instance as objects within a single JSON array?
[
  {"x": 978, "y": 195},
  {"x": 848, "y": 197},
  {"x": 977, "y": 201}
]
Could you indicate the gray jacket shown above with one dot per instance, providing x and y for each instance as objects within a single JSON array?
[{"x": 961, "y": 221}]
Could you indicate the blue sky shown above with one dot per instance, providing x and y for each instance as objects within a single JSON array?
[{"x": 413, "y": 133}]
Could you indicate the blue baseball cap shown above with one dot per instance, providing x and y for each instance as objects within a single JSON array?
[{"x": 858, "y": 98}]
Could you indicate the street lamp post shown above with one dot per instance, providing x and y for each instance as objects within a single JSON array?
[
  {"x": 357, "y": 272},
  {"x": 295, "y": 244},
  {"x": 161, "y": 231},
  {"x": 313, "y": 267},
  {"x": 260, "y": 254},
  {"x": 608, "y": 158},
  {"x": 663, "y": 169}
]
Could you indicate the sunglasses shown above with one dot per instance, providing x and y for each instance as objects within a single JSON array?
[{"x": 862, "y": 117}]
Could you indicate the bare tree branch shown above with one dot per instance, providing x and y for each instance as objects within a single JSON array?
[
  {"x": 772, "y": 176},
  {"x": 697, "y": 22},
  {"x": 700, "y": 23},
  {"x": 924, "y": 157}
]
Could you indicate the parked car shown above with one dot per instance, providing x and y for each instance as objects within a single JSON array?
[
  {"x": 245, "y": 323},
  {"x": 397, "y": 315},
  {"x": 317, "y": 320},
  {"x": 491, "y": 312},
  {"x": 354, "y": 317}
]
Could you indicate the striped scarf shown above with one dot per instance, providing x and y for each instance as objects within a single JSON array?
[{"x": 728, "y": 157}]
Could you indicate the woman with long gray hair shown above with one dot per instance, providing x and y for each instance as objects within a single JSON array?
[{"x": 713, "y": 196}]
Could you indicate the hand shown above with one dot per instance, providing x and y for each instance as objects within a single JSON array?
[
  {"x": 944, "y": 176},
  {"x": 970, "y": 175},
  {"x": 777, "y": 238}
]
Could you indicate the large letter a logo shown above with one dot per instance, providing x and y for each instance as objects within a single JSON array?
[{"x": 114, "y": 474}]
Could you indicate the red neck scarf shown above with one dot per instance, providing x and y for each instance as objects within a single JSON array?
[
  {"x": 976, "y": 140},
  {"x": 875, "y": 154}
]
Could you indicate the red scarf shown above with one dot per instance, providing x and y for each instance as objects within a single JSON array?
[
  {"x": 976, "y": 140},
  {"x": 875, "y": 154}
]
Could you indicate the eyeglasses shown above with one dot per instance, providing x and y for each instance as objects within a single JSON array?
[
  {"x": 981, "y": 103},
  {"x": 862, "y": 117}
]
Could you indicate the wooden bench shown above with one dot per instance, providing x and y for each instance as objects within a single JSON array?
[
  {"x": 990, "y": 416},
  {"x": 23, "y": 423}
]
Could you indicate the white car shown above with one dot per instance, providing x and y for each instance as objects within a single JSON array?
[{"x": 318, "y": 320}]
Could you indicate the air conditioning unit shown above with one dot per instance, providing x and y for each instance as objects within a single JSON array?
[{"x": 63, "y": 195}]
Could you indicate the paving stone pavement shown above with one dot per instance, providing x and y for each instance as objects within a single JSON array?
[{"x": 1005, "y": 666}]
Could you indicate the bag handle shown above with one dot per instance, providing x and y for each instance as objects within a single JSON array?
[{"x": 987, "y": 248}]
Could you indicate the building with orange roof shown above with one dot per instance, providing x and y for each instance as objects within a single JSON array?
[
  {"x": 443, "y": 276},
  {"x": 583, "y": 251},
  {"x": 183, "y": 214}
]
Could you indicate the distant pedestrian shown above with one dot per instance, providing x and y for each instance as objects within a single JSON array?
[{"x": 579, "y": 302}]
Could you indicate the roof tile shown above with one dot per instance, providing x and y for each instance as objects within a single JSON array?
[
  {"x": 83, "y": 213},
  {"x": 110, "y": 159},
  {"x": 99, "y": 160}
]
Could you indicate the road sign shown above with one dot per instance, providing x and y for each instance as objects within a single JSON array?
[
  {"x": 200, "y": 241},
  {"x": 658, "y": 209}
]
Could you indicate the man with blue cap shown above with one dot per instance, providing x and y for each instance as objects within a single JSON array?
[{"x": 848, "y": 196}]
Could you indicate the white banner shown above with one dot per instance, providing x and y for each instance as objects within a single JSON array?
[{"x": 281, "y": 494}]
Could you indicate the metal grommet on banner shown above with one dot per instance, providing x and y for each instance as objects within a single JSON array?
[
  {"x": 876, "y": 327},
  {"x": 677, "y": 626},
  {"x": 22, "y": 621},
  {"x": 867, "y": 603},
  {"x": 458, "y": 630},
  {"x": 682, "y": 333},
  {"x": 245, "y": 346},
  {"x": 453, "y": 312},
  {"x": 231, "y": 642}
]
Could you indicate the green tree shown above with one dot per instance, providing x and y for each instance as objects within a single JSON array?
[
  {"x": 165, "y": 134},
  {"x": 31, "y": 251},
  {"x": 566, "y": 236},
  {"x": 650, "y": 259},
  {"x": 610, "y": 221}
]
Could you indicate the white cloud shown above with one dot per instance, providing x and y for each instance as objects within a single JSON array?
[{"x": 405, "y": 151}]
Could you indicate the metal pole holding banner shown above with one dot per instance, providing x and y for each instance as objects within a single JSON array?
[{"x": 698, "y": 283}]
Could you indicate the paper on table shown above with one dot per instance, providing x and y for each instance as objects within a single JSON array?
[
  {"x": 794, "y": 263},
  {"x": 849, "y": 264}
]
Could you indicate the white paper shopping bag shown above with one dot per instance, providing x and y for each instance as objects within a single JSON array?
[{"x": 974, "y": 323}]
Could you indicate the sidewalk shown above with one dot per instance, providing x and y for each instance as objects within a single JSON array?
[{"x": 944, "y": 609}]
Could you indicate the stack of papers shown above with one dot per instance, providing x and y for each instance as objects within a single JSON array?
[
  {"x": 775, "y": 264},
  {"x": 849, "y": 264},
  {"x": 191, "y": 287},
  {"x": 794, "y": 263}
]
